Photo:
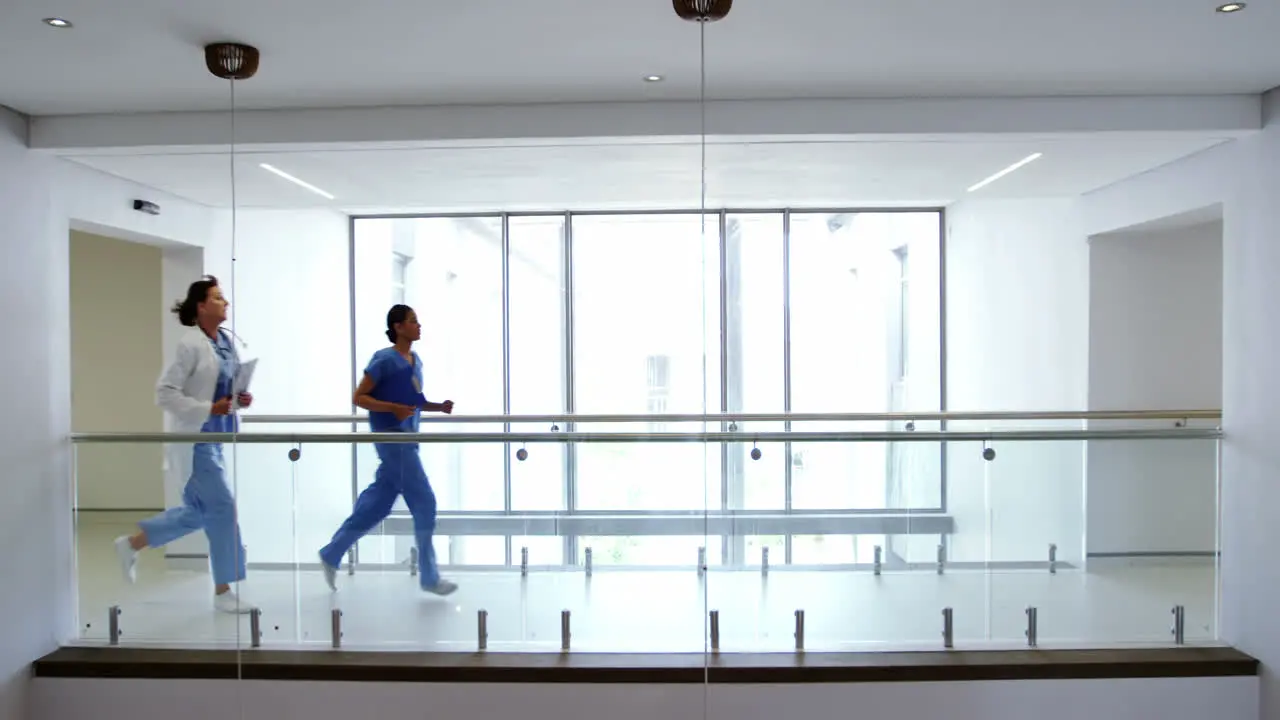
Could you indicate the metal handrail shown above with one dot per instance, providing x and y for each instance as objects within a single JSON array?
[
  {"x": 651, "y": 437},
  {"x": 1204, "y": 414}
]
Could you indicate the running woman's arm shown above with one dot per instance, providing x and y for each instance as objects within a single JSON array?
[{"x": 362, "y": 399}]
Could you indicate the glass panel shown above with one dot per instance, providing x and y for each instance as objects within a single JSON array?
[
  {"x": 755, "y": 356},
  {"x": 172, "y": 601},
  {"x": 537, "y": 357},
  {"x": 646, "y": 329},
  {"x": 266, "y": 479},
  {"x": 646, "y": 340},
  {"x": 454, "y": 282},
  {"x": 1121, "y": 568},
  {"x": 537, "y": 471},
  {"x": 865, "y": 329}
]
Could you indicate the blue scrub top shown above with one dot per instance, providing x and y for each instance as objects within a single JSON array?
[
  {"x": 393, "y": 376},
  {"x": 228, "y": 365}
]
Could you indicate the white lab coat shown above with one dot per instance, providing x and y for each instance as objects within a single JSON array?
[{"x": 185, "y": 391}]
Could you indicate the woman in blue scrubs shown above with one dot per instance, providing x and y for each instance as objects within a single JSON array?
[
  {"x": 391, "y": 391},
  {"x": 196, "y": 391}
]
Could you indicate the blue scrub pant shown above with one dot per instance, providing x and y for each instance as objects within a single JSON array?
[
  {"x": 399, "y": 473},
  {"x": 207, "y": 505}
]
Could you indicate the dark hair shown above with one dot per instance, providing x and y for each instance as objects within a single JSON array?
[
  {"x": 396, "y": 315},
  {"x": 198, "y": 292}
]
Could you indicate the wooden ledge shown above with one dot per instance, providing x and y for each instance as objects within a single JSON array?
[{"x": 729, "y": 668}]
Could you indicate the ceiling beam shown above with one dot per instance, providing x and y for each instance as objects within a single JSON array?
[{"x": 727, "y": 121}]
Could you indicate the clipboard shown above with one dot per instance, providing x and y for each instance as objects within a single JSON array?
[{"x": 244, "y": 376}]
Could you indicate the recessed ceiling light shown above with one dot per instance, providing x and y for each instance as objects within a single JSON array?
[
  {"x": 653, "y": 78},
  {"x": 1231, "y": 7},
  {"x": 300, "y": 183},
  {"x": 987, "y": 181},
  {"x": 57, "y": 22}
]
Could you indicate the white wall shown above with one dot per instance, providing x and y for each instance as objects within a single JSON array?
[
  {"x": 116, "y": 355},
  {"x": 95, "y": 202},
  {"x": 1231, "y": 698},
  {"x": 35, "y": 517},
  {"x": 1017, "y": 274},
  {"x": 1155, "y": 342},
  {"x": 290, "y": 302},
  {"x": 41, "y": 200},
  {"x": 1245, "y": 178}
]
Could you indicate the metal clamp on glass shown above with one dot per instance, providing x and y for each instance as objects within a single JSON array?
[
  {"x": 113, "y": 625},
  {"x": 715, "y": 630},
  {"x": 255, "y": 628},
  {"x": 799, "y": 631}
]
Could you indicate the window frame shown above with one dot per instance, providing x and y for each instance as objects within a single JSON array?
[{"x": 784, "y": 522}]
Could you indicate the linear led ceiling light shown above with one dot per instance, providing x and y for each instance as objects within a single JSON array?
[
  {"x": 295, "y": 181},
  {"x": 1231, "y": 7},
  {"x": 987, "y": 181},
  {"x": 56, "y": 22}
]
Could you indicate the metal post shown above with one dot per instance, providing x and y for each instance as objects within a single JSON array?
[
  {"x": 413, "y": 560},
  {"x": 482, "y": 630},
  {"x": 942, "y": 557},
  {"x": 335, "y": 627},
  {"x": 564, "y": 631},
  {"x": 524, "y": 561},
  {"x": 879, "y": 559},
  {"x": 948, "y": 629},
  {"x": 255, "y": 628},
  {"x": 588, "y": 562},
  {"x": 1032, "y": 632},
  {"x": 764, "y": 561},
  {"x": 702, "y": 560},
  {"x": 113, "y": 624},
  {"x": 1179, "y": 625},
  {"x": 799, "y": 631},
  {"x": 1053, "y": 559},
  {"x": 715, "y": 631}
]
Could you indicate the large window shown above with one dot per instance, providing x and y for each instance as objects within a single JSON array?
[
  {"x": 537, "y": 352},
  {"x": 665, "y": 314},
  {"x": 451, "y": 271},
  {"x": 645, "y": 341}
]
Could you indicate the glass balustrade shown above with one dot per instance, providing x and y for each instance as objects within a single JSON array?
[{"x": 629, "y": 533}]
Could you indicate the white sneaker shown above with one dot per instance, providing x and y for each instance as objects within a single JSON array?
[
  {"x": 442, "y": 588},
  {"x": 128, "y": 559},
  {"x": 230, "y": 603},
  {"x": 330, "y": 575}
]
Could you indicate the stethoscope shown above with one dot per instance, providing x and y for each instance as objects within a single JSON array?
[{"x": 221, "y": 352}]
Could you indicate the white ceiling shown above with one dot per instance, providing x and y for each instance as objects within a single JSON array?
[
  {"x": 145, "y": 55},
  {"x": 651, "y": 175}
]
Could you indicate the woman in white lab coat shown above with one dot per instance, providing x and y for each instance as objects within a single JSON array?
[{"x": 196, "y": 391}]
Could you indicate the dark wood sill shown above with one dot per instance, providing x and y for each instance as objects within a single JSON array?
[{"x": 729, "y": 668}]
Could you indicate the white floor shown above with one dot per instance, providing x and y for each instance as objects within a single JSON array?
[{"x": 628, "y": 611}]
